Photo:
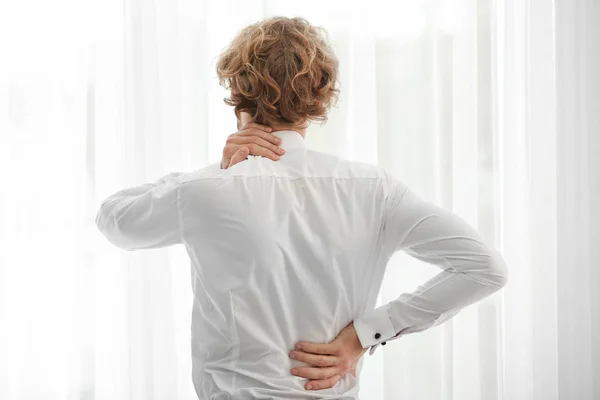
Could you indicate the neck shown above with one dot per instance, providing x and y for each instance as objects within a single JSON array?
[{"x": 300, "y": 128}]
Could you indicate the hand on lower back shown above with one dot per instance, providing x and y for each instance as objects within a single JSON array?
[{"x": 328, "y": 363}]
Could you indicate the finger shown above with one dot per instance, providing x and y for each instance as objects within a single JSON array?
[
  {"x": 318, "y": 348},
  {"x": 262, "y": 143},
  {"x": 239, "y": 156},
  {"x": 257, "y": 126},
  {"x": 314, "y": 359},
  {"x": 260, "y": 133},
  {"x": 261, "y": 151},
  {"x": 315, "y": 373},
  {"x": 323, "y": 384},
  {"x": 231, "y": 148}
]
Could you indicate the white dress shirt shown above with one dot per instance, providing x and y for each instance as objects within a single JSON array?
[{"x": 293, "y": 250}]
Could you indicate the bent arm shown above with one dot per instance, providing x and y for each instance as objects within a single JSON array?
[
  {"x": 144, "y": 216},
  {"x": 471, "y": 270}
]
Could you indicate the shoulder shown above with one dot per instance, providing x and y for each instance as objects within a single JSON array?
[
  {"x": 342, "y": 168},
  {"x": 389, "y": 184},
  {"x": 205, "y": 174}
]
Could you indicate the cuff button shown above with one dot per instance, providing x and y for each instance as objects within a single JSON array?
[
  {"x": 377, "y": 335},
  {"x": 383, "y": 343}
]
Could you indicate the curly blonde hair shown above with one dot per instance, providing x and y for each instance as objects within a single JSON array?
[{"x": 281, "y": 71}]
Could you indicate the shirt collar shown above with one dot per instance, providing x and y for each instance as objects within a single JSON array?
[{"x": 290, "y": 139}]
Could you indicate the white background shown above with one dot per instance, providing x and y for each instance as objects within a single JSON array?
[{"x": 489, "y": 108}]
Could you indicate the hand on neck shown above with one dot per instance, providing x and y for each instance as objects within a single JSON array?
[{"x": 300, "y": 128}]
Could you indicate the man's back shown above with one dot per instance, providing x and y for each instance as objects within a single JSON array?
[
  {"x": 281, "y": 252},
  {"x": 293, "y": 251}
]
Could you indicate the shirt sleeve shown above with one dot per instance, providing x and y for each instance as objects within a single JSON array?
[
  {"x": 471, "y": 270},
  {"x": 143, "y": 217}
]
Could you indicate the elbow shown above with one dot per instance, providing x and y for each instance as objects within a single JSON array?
[
  {"x": 112, "y": 228},
  {"x": 496, "y": 271},
  {"x": 105, "y": 220},
  {"x": 488, "y": 269},
  {"x": 99, "y": 220}
]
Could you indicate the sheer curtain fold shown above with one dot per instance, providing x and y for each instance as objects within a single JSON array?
[
  {"x": 486, "y": 107},
  {"x": 578, "y": 124}
]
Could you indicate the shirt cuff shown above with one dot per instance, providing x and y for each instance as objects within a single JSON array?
[{"x": 374, "y": 327}]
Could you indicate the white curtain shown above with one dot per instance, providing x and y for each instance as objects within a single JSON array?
[{"x": 486, "y": 107}]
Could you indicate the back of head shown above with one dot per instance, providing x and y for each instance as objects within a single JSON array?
[{"x": 282, "y": 71}]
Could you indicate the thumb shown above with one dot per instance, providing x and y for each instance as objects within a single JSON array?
[{"x": 240, "y": 155}]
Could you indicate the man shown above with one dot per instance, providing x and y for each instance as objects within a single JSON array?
[{"x": 289, "y": 246}]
